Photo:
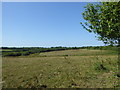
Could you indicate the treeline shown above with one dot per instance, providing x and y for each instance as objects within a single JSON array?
[
  {"x": 101, "y": 47},
  {"x": 24, "y": 51}
]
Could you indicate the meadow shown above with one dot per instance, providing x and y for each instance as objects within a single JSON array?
[{"x": 79, "y": 68}]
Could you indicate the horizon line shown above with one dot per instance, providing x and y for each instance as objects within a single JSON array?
[
  {"x": 54, "y": 46},
  {"x": 59, "y": 1}
]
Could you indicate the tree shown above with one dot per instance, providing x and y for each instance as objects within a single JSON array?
[{"x": 103, "y": 19}]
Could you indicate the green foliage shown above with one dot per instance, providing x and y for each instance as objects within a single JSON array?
[
  {"x": 103, "y": 19},
  {"x": 27, "y": 51},
  {"x": 32, "y": 50},
  {"x": 11, "y": 54}
]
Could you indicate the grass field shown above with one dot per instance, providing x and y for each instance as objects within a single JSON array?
[{"x": 62, "y": 69}]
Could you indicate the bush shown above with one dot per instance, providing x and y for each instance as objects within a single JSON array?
[
  {"x": 100, "y": 67},
  {"x": 25, "y": 53}
]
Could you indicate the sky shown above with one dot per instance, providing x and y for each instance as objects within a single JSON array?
[{"x": 45, "y": 24}]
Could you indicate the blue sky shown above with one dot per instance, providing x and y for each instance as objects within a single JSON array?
[{"x": 45, "y": 24}]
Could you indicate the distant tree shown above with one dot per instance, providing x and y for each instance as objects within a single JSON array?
[{"x": 103, "y": 19}]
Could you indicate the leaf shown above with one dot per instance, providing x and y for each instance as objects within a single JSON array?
[{"x": 104, "y": 20}]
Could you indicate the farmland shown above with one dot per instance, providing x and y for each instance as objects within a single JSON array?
[{"x": 80, "y": 68}]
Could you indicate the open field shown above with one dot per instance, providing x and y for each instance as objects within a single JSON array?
[
  {"x": 62, "y": 69},
  {"x": 78, "y": 52}
]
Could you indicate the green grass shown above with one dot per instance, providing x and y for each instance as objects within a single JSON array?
[
  {"x": 6, "y": 50},
  {"x": 62, "y": 69},
  {"x": 78, "y": 52}
]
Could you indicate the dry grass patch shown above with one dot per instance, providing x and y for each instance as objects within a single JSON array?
[{"x": 61, "y": 72}]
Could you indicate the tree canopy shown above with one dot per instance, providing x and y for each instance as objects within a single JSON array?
[{"x": 103, "y": 19}]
